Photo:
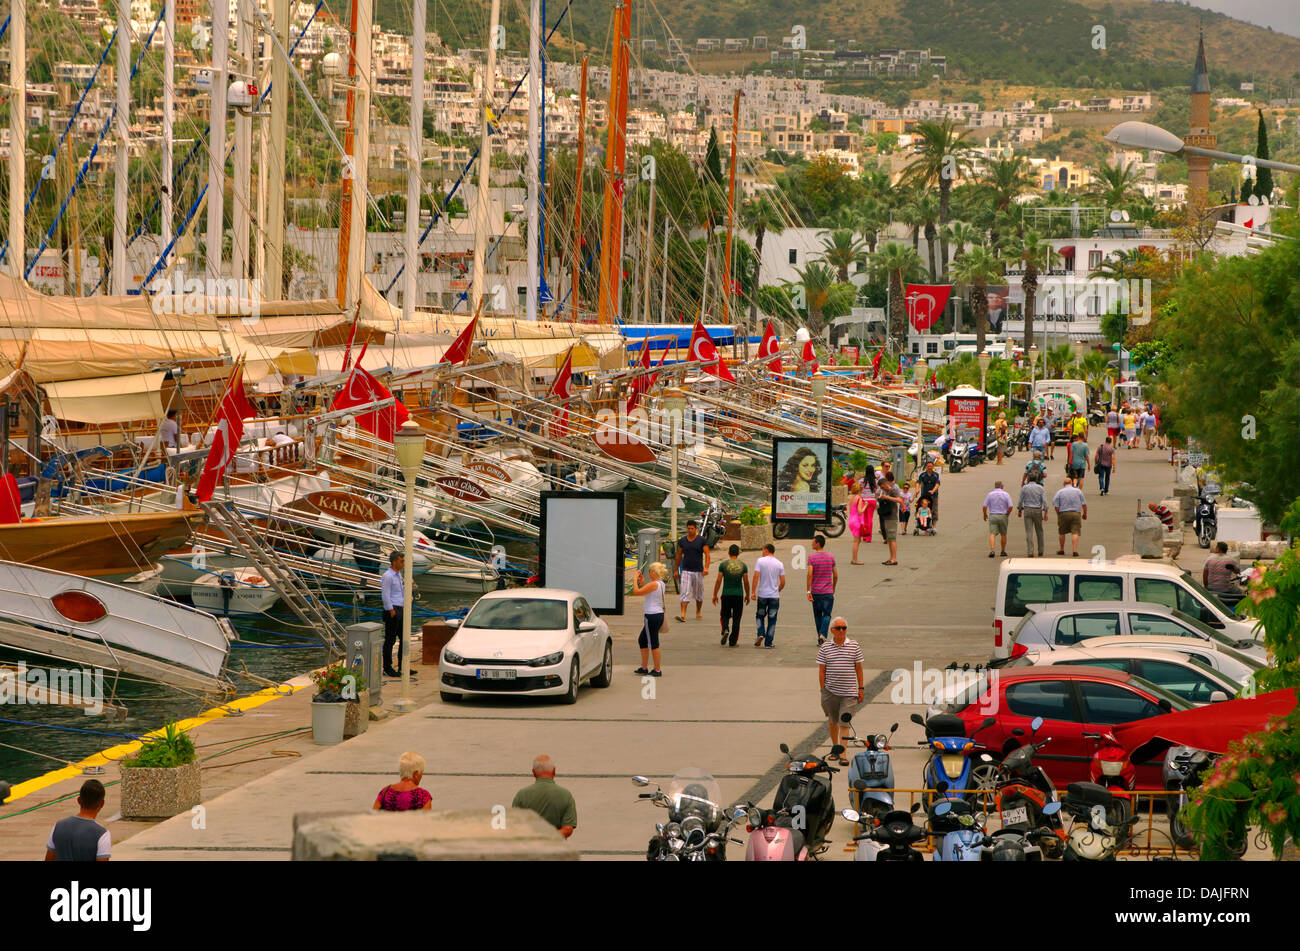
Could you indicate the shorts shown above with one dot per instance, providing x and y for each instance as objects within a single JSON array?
[
  {"x": 1069, "y": 523},
  {"x": 834, "y": 706},
  {"x": 1077, "y": 472},
  {"x": 692, "y": 586},
  {"x": 650, "y": 631},
  {"x": 889, "y": 529},
  {"x": 1113, "y": 433},
  {"x": 998, "y": 524}
]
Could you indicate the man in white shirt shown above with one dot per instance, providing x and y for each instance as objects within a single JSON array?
[
  {"x": 169, "y": 432},
  {"x": 394, "y": 595},
  {"x": 1071, "y": 510},
  {"x": 767, "y": 584}
]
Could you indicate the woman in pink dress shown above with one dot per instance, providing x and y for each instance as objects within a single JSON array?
[
  {"x": 862, "y": 515},
  {"x": 406, "y": 794}
]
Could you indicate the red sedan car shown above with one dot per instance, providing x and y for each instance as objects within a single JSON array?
[{"x": 1072, "y": 701}]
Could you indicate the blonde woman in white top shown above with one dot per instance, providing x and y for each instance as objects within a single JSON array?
[{"x": 652, "y": 607}]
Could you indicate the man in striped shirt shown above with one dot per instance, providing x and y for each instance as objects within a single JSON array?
[
  {"x": 822, "y": 579},
  {"x": 839, "y": 671}
]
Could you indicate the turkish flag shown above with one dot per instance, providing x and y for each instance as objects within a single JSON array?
[
  {"x": 925, "y": 303},
  {"x": 562, "y": 385},
  {"x": 458, "y": 352},
  {"x": 810, "y": 356},
  {"x": 875, "y": 363},
  {"x": 1248, "y": 223},
  {"x": 362, "y": 388},
  {"x": 231, "y": 413},
  {"x": 703, "y": 349},
  {"x": 771, "y": 346},
  {"x": 641, "y": 385},
  {"x": 619, "y": 185}
]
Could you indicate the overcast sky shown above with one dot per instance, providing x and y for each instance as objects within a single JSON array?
[{"x": 1282, "y": 15}]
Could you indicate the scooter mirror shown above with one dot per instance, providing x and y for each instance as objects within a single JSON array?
[
  {"x": 894, "y": 728},
  {"x": 943, "y": 808},
  {"x": 739, "y": 814},
  {"x": 1036, "y": 724},
  {"x": 1051, "y": 808},
  {"x": 916, "y": 718},
  {"x": 989, "y": 721},
  {"x": 846, "y": 718},
  {"x": 916, "y": 807},
  {"x": 851, "y": 814},
  {"x": 941, "y": 787},
  {"x": 785, "y": 749},
  {"x": 640, "y": 781}
]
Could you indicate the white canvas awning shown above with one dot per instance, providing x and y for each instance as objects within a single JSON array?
[{"x": 114, "y": 399}]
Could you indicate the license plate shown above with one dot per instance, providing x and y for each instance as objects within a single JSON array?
[
  {"x": 1015, "y": 814},
  {"x": 495, "y": 674}
]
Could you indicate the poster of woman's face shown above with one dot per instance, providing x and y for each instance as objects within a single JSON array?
[{"x": 801, "y": 478}]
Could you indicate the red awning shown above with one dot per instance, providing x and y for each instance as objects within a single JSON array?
[
  {"x": 1210, "y": 728},
  {"x": 1146, "y": 249},
  {"x": 1067, "y": 251}
]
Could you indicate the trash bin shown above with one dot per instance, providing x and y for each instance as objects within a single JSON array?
[
  {"x": 366, "y": 644},
  {"x": 436, "y": 635}
]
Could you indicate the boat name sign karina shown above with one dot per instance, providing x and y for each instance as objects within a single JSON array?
[
  {"x": 344, "y": 505},
  {"x": 734, "y": 433},
  {"x": 489, "y": 469},
  {"x": 458, "y": 487}
]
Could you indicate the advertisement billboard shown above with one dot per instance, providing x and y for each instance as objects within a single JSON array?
[
  {"x": 969, "y": 414},
  {"x": 801, "y": 479}
]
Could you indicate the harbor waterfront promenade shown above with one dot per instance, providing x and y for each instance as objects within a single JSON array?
[{"x": 725, "y": 710}]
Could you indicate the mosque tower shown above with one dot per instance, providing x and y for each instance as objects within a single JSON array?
[{"x": 1199, "y": 134}]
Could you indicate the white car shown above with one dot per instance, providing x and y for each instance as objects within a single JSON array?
[
  {"x": 527, "y": 641},
  {"x": 1232, "y": 664},
  {"x": 1188, "y": 677}
]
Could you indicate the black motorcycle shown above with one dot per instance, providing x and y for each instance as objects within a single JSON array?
[
  {"x": 833, "y": 527},
  {"x": 1205, "y": 520},
  {"x": 896, "y": 832},
  {"x": 803, "y": 798}
]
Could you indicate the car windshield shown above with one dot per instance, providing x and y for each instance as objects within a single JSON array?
[
  {"x": 971, "y": 693},
  {"x": 519, "y": 614},
  {"x": 1160, "y": 693},
  {"x": 1209, "y": 596}
]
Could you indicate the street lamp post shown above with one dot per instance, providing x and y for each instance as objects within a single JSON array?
[
  {"x": 1033, "y": 366},
  {"x": 819, "y": 396},
  {"x": 409, "y": 446},
  {"x": 984, "y": 358},
  {"x": 1143, "y": 135},
  {"x": 674, "y": 402},
  {"x": 920, "y": 372}
]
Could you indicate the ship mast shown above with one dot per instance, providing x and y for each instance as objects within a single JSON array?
[
  {"x": 611, "y": 251},
  {"x": 577, "y": 202},
  {"x": 481, "y": 217}
]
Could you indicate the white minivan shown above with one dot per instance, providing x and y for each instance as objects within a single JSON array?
[{"x": 1024, "y": 581}]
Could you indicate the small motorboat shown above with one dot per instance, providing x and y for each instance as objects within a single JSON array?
[{"x": 234, "y": 591}]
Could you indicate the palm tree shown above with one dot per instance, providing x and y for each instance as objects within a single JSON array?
[
  {"x": 978, "y": 268},
  {"x": 941, "y": 156},
  {"x": 1058, "y": 359},
  {"x": 913, "y": 215},
  {"x": 1095, "y": 367},
  {"x": 840, "y": 249},
  {"x": 1119, "y": 265},
  {"x": 901, "y": 263},
  {"x": 873, "y": 215},
  {"x": 929, "y": 207},
  {"x": 959, "y": 235},
  {"x": 818, "y": 280},
  {"x": 1114, "y": 183},
  {"x": 758, "y": 216},
  {"x": 1005, "y": 180},
  {"x": 1036, "y": 255}
]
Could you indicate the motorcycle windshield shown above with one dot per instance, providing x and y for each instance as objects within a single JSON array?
[{"x": 694, "y": 792}]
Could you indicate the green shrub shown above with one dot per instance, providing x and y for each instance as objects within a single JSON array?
[
  {"x": 751, "y": 515},
  {"x": 173, "y": 748}
]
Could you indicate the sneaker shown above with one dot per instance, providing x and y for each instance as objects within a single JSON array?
[
  {"x": 724, "y": 633},
  {"x": 1004, "y": 554},
  {"x": 770, "y": 647},
  {"x": 392, "y": 673},
  {"x": 641, "y": 670},
  {"x": 990, "y": 552},
  {"x": 656, "y": 672},
  {"x": 821, "y": 641},
  {"x": 758, "y": 642}
]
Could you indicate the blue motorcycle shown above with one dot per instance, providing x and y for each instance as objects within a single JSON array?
[
  {"x": 953, "y": 756},
  {"x": 871, "y": 775},
  {"x": 962, "y": 830}
]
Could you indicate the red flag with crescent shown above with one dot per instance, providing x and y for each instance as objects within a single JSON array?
[
  {"x": 703, "y": 349},
  {"x": 562, "y": 385},
  {"x": 810, "y": 356},
  {"x": 875, "y": 363},
  {"x": 458, "y": 352},
  {"x": 362, "y": 388},
  {"x": 925, "y": 303},
  {"x": 643, "y": 383},
  {"x": 231, "y": 413},
  {"x": 771, "y": 346}
]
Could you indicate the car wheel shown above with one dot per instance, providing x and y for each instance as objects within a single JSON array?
[
  {"x": 574, "y": 676},
  {"x": 446, "y": 697},
  {"x": 603, "y": 676},
  {"x": 984, "y": 776}
]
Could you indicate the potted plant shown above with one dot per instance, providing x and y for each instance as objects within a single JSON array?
[
  {"x": 755, "y": 532},
  {"x": 162, "y": 779},
  {"x": 336, "y": 685}
]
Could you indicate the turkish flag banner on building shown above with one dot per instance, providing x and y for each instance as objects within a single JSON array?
[
  {"x": 704, "y": 350},
  {"x": 231, "y": 413},
  {"x": 362, "y": 388},
  {"x": 771, "y": 346},
  {"x": 925, "y": 303}
]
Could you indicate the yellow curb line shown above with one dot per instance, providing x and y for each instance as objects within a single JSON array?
[{"x": 115, "y": 753}]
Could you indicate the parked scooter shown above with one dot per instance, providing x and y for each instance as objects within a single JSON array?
[
  {"x": 1022, "y": 844},
  {"x": 1184, "y": 769},
  {"x": 697, "y": 825},
  {"x": 1098, "y": 830},
  {"x": 953, "y": 756},
  {"x": 1205, "y": 519},
  {"x": 871, "y": 774},
  {"x": 771, "y": 840},
  {"x": 892, "y": 838},
  {"x": 957, "y": 453},
  {"x": 804, "y": 801},
  {"x": 1113, "y": 769},
  {"x": 961, "y": 827},
  {"x": 1024, "y": 790}
]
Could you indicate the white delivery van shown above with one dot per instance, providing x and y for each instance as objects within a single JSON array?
[{"x": 1024, "y": 581}]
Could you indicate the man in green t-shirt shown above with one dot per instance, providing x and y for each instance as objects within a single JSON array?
[
  {"x": 733, "y": 581},
  {"x": 553, "y": 803}
]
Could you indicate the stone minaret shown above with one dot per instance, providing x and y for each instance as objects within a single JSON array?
[{"x": 1199, "y": 134}]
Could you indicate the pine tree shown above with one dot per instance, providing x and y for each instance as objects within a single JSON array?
[
  {"x": 1263, "y": 176},
  {"x": 1245, "y": 190}
]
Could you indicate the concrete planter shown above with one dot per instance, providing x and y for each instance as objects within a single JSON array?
[
  {"x": 754, "y": 537},
  {"x": 153, "y": 793},
  {"x": 357, "y": 716},
  {"x": 327, "y": 722}
]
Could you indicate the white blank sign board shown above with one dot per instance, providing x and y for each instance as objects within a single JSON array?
[{"x": 581, "y": 546}]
